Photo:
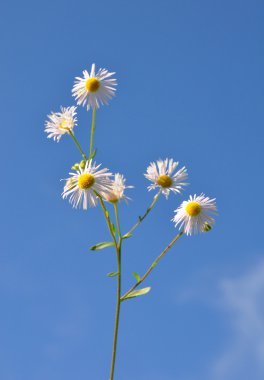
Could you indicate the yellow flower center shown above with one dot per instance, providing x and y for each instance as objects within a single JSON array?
[
  {"x": 92, "y": 84},
  {"x": 85, "y": 181},
  {"x": 164, "y": 181},
  {"x": 193, "y": 208},
  {"x": 64, "y": 125}
]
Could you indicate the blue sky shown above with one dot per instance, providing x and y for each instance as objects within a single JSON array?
[{"x": 190, "y": 87}]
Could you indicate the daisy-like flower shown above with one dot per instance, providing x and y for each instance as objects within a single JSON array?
[
  {"x": 83, "y": 184},
  {"x": 194, "y": 215},
  {"x": 162, "y": 175},
  {"x": 59, "y": 123},
  {"x": 118, "y": 188},
  {"x": 94, "y": 88}
]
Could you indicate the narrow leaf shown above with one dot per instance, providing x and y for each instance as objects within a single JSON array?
[
  {"x": 102, "y": 245},
  {"x": 112, "y": 274},
  {"x": 126, "y": 236},
  {"x": 137, "y": 293},
  {"x": 137, "y": 276}
]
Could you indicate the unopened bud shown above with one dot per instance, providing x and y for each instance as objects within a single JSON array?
[
  {"x": 82, "y": 164},
  {"x": 75, "y": 166},
  {"x": 207, "y": 227}
]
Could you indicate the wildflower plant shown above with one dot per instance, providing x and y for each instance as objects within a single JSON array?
[{"x": 89, "y": 184}]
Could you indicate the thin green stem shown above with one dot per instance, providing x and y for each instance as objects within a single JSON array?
[
  {"x": 141, "y": 218},
  {"x": 91, "y": 154},
  {"x": 107, "y": 218},
  {"x": 118, "y": 295},
  {"x": 155, "y": 262},
  {"x": 117, "y": 221},
  {"x": 118, "y": 300},
  {"x": 117, "y": 316},
  {"x": 77, "y": 144}
]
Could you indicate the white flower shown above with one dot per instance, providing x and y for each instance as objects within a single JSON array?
[
  {"x": 161, "y": 173},
  {"x": 59, "y": 123},
  {"x": 118, "y": 188},
  {"x": 81, "y": 186},
  {"x": 193, "y": 216},
  {"x": 94, "y": 89}
]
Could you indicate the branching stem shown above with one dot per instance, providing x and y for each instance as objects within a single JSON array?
[
  {"x": 141, "y": 218},
  {"x": 155, "y": 262}
]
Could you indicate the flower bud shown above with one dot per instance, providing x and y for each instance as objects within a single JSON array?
[
  {"x": 207, "y": 227},
  {"x": 82, "y": 164},
  {"x": 75, "y": 166}
]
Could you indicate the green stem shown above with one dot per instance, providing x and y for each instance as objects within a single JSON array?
[
  {"x": 118, "y": 294},
  {"x": 141, "y": 218},
  {"x": 117, "y": 221},
  {"x": 77, "y": 144},
  {"x": 107, "y": 218},
  {"x": 92, "y": 135},
  {"x": 117, "y": 316},
  {"x": 155, "y": 262}
]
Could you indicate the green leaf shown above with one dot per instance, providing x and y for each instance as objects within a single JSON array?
[
  {"x": 126, "y": 236},
  {"x": 137, "y": 293},
  {"x": 137, "y": 276},
  {"x": 112, "y": 274},
  {"x": 102, "y": 245}
]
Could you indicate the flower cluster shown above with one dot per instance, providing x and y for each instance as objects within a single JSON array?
[{"x": 89, "y": 181}]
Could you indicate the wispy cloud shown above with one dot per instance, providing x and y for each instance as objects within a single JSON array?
[{"x": 243, "y": 300}]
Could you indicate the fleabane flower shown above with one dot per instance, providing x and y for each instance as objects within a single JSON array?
[
  {"x": 194, "y": 215},
  {"x": 117, "y": 191},
  {"x": 59, "y": 123},
  {"x": 162, "y": 174},
  {"x": 83, "y": 184},
  {"x": 95, "y": 88}
]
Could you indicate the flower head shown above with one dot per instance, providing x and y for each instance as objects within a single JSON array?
[
  {"x": 59, "y": 123},
  {"x": 118, "y": 188},
  {"x": 94, "y": 88},
  {"x": 194, "y": 215},
  {"x": 83, "y": 185},
  {"x": 162, "y": 175}
]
